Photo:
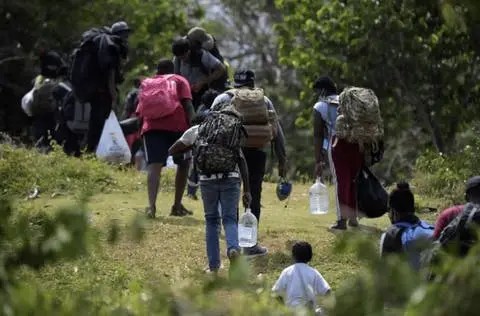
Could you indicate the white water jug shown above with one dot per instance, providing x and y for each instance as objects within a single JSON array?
[
  {"x": 318, "y": 195},
  {"x": 247, "y": 229}
]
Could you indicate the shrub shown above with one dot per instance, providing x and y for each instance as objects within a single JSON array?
[{"x": 443, "y": 176}]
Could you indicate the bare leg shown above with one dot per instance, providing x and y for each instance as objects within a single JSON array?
[
  {"x": 180, "y": 182},
  {"x": 153, "y": 184}
]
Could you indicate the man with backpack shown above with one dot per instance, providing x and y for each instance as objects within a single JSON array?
[
  {"x": 458, "y": 225},
  {"x": 408, "y": 234},
  {"x": 198, "y": 66},
  {"x": 263, "y": 128},
  {"x": 44, "y": 104},
  {"x": 216, "y": 143},
  {"x": 165, "y": 107},
  {"x": 96, "y": 71}
]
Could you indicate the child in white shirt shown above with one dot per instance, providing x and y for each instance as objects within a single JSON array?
[{"x": 299, "y": 284}]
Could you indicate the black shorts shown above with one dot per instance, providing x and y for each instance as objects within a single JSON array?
[{"x": 156, "y": 144}]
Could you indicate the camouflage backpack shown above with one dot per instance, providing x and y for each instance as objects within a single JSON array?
[
  {"x": 359, "y": 119},
  {"x": 217, "y": 148}
]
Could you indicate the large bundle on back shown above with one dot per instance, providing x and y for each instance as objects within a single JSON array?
[{"x": 359, "y": 120}]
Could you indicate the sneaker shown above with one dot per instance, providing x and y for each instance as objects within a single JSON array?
[
  {"x": 255, "y": 251},
  {"x": 150, "y": 212},
  {"x": 340, "y": 225},
  {"x": 353, "y": 222},
  {"x": 178, "y": 211}
]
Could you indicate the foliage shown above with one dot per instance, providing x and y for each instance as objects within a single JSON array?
[
  {"x": 443, "y": 176},
  {"x": 384, "y": 45},
  {"x": 389, "y": 287}
]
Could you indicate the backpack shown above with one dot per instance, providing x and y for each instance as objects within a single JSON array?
[
  {"x": 409, "y": 238},
  {"x": 359, "y": 120},
  {"x": 217, "y": 148},
  {"x": 158, "y": 97},
  {"x": 91, "y": 62},
  {"x": 459, "y": 236},
  {"x": 372, "y": 198},
  {"x": 43, "y": 100},
  {"x": 259, "y": 122}
]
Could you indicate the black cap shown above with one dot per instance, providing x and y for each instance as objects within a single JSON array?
[
  {"x": 325, "y": 85},
  {"x": 472, "y": 183},
  {"x": 243, "y": 77}
]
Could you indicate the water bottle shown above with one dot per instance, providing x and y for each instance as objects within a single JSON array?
[
  {"x": 247, "y": 229},
  {"x": 318, "y": 194}
]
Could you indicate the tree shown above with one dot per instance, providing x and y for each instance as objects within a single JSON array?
[{"x": 403, "y": 50}]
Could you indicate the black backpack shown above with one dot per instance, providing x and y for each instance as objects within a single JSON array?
[
  {"x": 372, "y": 198},
  {"x": 91, "y": 62},
  {"x": 218, "y": 145},
  {"x": 221, "y": 84}
]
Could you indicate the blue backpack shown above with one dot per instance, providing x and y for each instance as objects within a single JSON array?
[{"x": 409, "y": 238}]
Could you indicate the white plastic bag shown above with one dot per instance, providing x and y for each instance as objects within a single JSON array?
[
  {"x": 113, "y": 146},
  {"x": 27, "y": 101}
]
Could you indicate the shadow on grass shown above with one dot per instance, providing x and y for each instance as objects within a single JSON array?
[
  {"x": 179, "y": 221},
  {"x": 273, "y": 261}
]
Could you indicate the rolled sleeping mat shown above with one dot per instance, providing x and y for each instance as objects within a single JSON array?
[{"x": 130, "y": 125}]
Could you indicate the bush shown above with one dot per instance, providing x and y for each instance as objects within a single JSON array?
[{"x": 443, "y": 176}]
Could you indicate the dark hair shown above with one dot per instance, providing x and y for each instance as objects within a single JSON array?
[
  {"x": 165, "y": 67},
  {"x": 137, "y": 82},
  {"x": 325, "y": 86},
  {"x": 473, "y": 194},
  {"x": 401, "y": 199},
  {"x": 180, "y": 46},
  {"x": 302, "y": 252},
  {"x": 208, "y": 97}
]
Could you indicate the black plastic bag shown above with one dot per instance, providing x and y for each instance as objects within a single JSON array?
[{"x": 372, "y": 198}]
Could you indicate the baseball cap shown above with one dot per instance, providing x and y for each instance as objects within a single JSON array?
[
  {"x": 243, "y": 77},
  {"x": 473, "y": 182}
]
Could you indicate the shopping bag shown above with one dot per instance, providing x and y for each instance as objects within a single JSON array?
[
  {"x": 27, "y": 101},
  {"x": 113, "y": 146}
]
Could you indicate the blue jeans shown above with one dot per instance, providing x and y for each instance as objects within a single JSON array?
[{"x": 225, "y": 192}]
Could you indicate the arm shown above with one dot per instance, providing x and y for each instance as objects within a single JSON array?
[
  {"x": 318, "y": 137},
  {"x": 178, "y": 148},
  {"x": 278, "y": 142},
  {"x": 242, "y": 164},
  {"x": 188, "y": 107}
]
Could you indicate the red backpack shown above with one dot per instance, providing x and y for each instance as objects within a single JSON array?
[{"x": 158, "y": 97}]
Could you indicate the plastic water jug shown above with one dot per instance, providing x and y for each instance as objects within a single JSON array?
[
  {"x": 318, "y": 194},
  {"x": 247, "y": 229}
]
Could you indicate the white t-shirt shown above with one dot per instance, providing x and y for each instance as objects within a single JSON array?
[
  {"x": 292, "y": 288},
  {"x": 189, "y": 136}
]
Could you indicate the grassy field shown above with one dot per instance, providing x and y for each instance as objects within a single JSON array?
[{"x": 172, "y": 250}]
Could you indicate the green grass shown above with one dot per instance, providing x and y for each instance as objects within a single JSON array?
[
  {"x": 173, "y": 249},
  {"x": 171, "y": 256}
]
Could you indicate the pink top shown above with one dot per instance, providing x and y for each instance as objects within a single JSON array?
[{"x": 445, "y": 217}]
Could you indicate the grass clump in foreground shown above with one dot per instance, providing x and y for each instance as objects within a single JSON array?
[{"x": 98, "y": 255}]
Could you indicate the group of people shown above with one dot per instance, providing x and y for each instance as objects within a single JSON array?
[{"x": 219, "y": 132}]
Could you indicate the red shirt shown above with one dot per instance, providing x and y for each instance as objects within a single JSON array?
[
  {"x": 445, "y": 217},
  {"x": 177, "y": 121}
]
